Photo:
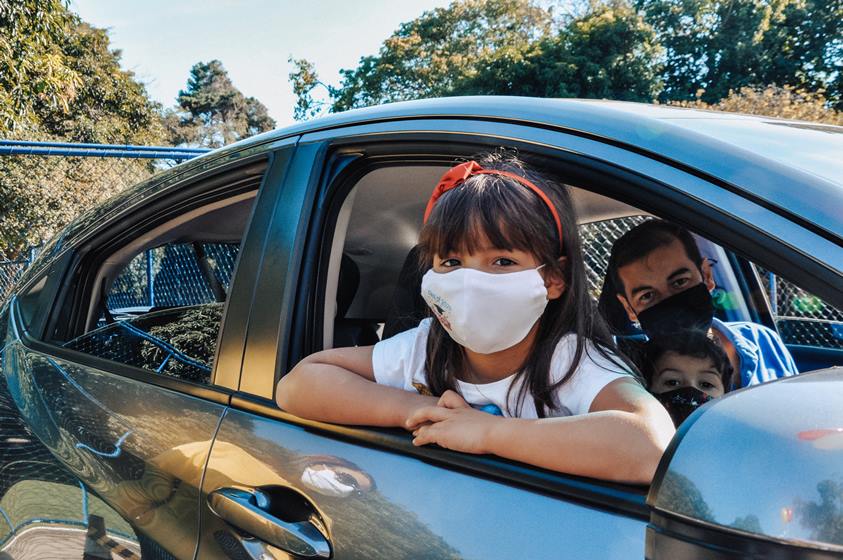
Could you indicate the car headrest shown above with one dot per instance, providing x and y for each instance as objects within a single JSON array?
[
  {"x": 408, "y": 307},
  {"x": 349, "y": 281}
]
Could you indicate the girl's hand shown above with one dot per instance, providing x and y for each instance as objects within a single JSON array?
[
  {"x": 449, "y": 399},
  {"x": 460, "y": 429},
  {"x": 452, "y": 399}
]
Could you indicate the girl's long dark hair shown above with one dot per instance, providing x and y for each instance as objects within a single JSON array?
[{"x": 511, "y": 216}]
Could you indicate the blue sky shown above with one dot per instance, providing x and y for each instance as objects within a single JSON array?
[{"x": 162, "y": 39}]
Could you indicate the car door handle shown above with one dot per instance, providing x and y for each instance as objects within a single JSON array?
[{"x": 247, "y": 511}]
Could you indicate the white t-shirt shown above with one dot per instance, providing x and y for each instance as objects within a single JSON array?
[{"x": 399, "y": 362}]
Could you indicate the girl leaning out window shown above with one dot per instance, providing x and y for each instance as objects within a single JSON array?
[{"x": 514, "y": 360}]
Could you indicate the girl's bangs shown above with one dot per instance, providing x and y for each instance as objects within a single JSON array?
[{"x": 484, "y": 212}]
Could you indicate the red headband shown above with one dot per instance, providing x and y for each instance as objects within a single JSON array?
[{"x": 458, "y": 174}]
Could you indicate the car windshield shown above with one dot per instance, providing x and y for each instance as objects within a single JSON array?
[{"x": 814, "y": 148}]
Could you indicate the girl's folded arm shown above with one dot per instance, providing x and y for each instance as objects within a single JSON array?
[
  {"x": 338, "y": 386},
  {"x": 622, "y": 438}
]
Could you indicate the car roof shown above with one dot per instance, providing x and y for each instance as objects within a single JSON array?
[
  {"x": 789, "y": 165},
  {"x": 794, "y": 166}
]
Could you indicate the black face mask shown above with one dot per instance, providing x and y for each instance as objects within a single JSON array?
[
  {"x": 680, "y": 403},
  {"x": 691, "y": 310}
]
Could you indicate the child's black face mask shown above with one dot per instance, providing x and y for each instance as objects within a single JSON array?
[
  {"x": 691, "y": 310},
  {"x": 680, "y": 403}
]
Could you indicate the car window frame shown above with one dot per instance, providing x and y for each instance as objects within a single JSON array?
[{"x": 689, "y": 197}]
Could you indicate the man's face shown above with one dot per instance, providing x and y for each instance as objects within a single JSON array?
[{"x": 664, "y": 272}]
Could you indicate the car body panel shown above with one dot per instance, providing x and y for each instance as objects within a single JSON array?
[
  {"x": 412, "y": 509},
  {"x": 119, "y": 436}
]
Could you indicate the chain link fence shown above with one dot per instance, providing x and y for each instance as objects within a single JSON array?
[
  {"x": 64, "y": 173},
  {"x": 11, "y": 270},
  {"x": 597, "y": 241},
  {"x": 801, "y": 317}
]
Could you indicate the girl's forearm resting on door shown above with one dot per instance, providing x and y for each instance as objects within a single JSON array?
[
  {"x": 620, "y": 445},
  {"x": 611, "y": 444},
  {"x": 331, "y": 393}
]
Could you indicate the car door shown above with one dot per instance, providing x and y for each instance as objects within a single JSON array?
[
  {"x": 133, "y": 438},
  {"x": 278, "y": 485}
]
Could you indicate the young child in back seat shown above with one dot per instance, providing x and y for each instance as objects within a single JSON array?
[
  {"x": 513, "y": 332},
  {"x": 686, "y": 371}
]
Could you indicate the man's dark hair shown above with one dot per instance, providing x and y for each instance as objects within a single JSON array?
[{"x": 642, "y": 240}]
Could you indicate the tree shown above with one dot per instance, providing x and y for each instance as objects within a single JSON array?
[
  {"x": 824, "y": 517},
  {"x": 782, "y": 102},
  {"x": 432, "y": 55},
  {"x": 33, "y": 66},
  {"x": 498, "y": 47},
  {"x": 608, "y": 51},
  {"x": 61, "y": 81},
  {"x": 213, "y": 112},
  {"x": 714, "y": 46}
]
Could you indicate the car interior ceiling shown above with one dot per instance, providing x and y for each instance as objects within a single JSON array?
[
  {"x": 371, "y": 267},
  {"x": 223, "y": 221}
]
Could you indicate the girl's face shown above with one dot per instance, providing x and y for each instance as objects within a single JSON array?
[{"x": 675, "y": 371}]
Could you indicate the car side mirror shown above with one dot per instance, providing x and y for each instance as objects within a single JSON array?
[{"x": 756, "y": 473}]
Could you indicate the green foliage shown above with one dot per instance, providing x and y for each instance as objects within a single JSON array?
[
  {"x": 34, "y": 70},
  {"x": 110, "y": 106},
  {"x": 434, "y": 55},
  {"x": 715, "y": 46},
  {"x": 59, "y": 80},
  {"x": 824, "y": 517},
  {"x": 39, "y": 194},
  {"x": 677, "y": 50},
  {"x": 213, "y": 112},
  {"x": 609, "y": 52},
  {"x": 679, "y": 494},
  {"x": 498, "y": 47},
  {"x": 194, "y": 333}
]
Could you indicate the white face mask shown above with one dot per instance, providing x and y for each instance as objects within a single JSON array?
[{"x": 486, "y": 312}]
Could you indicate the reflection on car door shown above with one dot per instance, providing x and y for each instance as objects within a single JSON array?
[
  {"x": 369, "y": 503},
  {"x": 46, "y": 511},
  {"x": 116, "y": 435}
]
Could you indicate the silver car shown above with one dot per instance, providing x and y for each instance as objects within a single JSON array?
[{"x": 142, "y": 349}]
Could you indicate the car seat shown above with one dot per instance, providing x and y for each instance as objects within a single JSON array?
[
  {"x": 408, "y": 307},
  {"x": 350, "y": 332}
]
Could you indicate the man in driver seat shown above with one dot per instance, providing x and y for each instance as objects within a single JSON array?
[{"x": 664, "y": 284}]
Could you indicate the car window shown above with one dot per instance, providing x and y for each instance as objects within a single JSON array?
[
  {"x": 158, "y": 300},
  {"x": 164, "y": 310},
  {"x": 172, "y": 275},
  {"x": 802, "y": 318},
  {"x": 372, "y": 289}
]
